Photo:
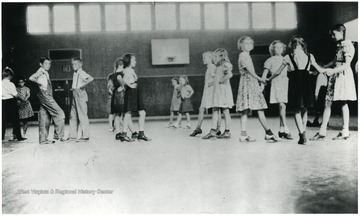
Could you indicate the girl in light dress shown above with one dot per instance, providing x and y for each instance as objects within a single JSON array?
[
  {"x": 206, "y": 101},
  {"x": 341, "y": 84},
  {"x": 250, "y": 96},
  {"x": 279, "y": 85},
  {"x": 25, "y": 109},
  {"x": 222, "y": 95}
]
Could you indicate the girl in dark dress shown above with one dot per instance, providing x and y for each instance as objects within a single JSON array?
[
  {"x": 117, "y": 99},
  {"x": 300, "y": 93},
  {"x": 133, "y": 101}
]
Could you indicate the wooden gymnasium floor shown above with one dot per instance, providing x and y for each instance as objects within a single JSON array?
[{"x": 178, "y": 174}]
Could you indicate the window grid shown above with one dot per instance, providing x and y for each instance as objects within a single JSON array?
[
  {"x": 90, "y": 18},
  {"x": 32, "y": 22},
  {"x": 49, "y": 23},
  {"x": 112, "y": 21},
  {"x": 57, "y": 19}
]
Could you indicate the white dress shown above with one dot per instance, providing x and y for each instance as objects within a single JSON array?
[
  {"x": 208, "y": 92},
  {"x": 223, "y": 97},
  {"x": 344, "y": 87},
  {"x": 279, "y": 85}
]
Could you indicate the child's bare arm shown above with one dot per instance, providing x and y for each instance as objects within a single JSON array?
[
  {"x": 252, "y": 73},
  {"x": 278, "y": 71},
  {"x": 315, "y": 64},
  {"x": 226, "y": 77},
  {"x": 35, "y": 76},
  {"x": 191, "y": 91}
]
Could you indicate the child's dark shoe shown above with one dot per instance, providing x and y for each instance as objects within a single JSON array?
[
  {"x": 196, "y": 132},
  {"x": 302, "y": 139},
  {"x": 126, "y": 139},
  {"x": 271, "y": 137},
  {"x": 218, "y": 133},
  {"x": 284, "y": 135},
  {"x": 118, "y": 136},
  {"x": 143, "y": 137},
  {"x": 134, "y": 135},
  {"x": 225, "y": 135}
]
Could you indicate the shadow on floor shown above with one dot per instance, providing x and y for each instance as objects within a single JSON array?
[{"x": 331, "y": 195}]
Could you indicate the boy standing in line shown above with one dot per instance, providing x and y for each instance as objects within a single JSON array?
[{"x": 78, "y": 113}]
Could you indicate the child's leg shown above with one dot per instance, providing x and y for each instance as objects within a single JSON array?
[
  {"x": 298, "y": 121},
  {"x": 262, "y": 119},
  {"x": 178, "y": 119},
  {"x": 219, "y": 120},
  {"x": 171, "y": 117},
  {"x": 127, "y": 119},
  {"x": 227, "y": 118},
  {"x": 131, "y": 125},
  {"x": 326, "y": 117},
  {"x": 25, "y": 123},
  {"x": 282, "y": 116},
  {"x": 188, "y": 118},
  {"x": 201, "y": 117},
  {"x": 243, "y": 122},
  {"x": 117, "y": 120},
  {"x": 346, "y": 119},
  {"x": 111, "y": 120},
  {"x": 304, "y": 118},
  {"x": 215, "y": 116},
  {"x": 142, "y": 115}
]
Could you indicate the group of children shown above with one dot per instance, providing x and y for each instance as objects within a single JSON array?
[
  {"x": 125, "y": 98},
  {"x": 17, "y": 105},
  {"x": 290, "y": 81},
  {"x": 289, "y": 77}
]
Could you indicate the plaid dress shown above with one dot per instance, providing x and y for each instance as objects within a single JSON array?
[{"x": 25, "y": 109}]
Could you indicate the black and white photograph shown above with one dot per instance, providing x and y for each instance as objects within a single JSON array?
[{"x": 179, "y": 107}]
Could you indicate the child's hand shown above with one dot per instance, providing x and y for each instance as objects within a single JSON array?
[
  {"x": 263, "y": 80},
  {"x": 134, "y": 85},
  {"x": 262, "y": 86},
  {"x": 329, "y": 71},
  {"x": 313, "y": 72},
  {"x": 210, "y": 84}
]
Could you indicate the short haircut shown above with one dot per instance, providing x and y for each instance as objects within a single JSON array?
[
  {"x": 77, "y": 59},
  {"x": 117, "y": 63},
  {"x": 272, "y": 47},
  {"x": 7, "y": 72},
  {"x": 340, "y": 28},
  {"x": 176, "y": 79},
  {"x": 297, "y": 40},
  {"x": 21, "y": 77},
  {"x": 127, "y": 59},
  {"x": 43, "y": 59},
  {"x": 224, "y": 56},
  {"x": 241, "y": 40}
]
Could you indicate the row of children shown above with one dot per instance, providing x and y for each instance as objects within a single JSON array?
[
  {"x": 49, "y": 109},
  {"x": 290, "y": 78}
]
